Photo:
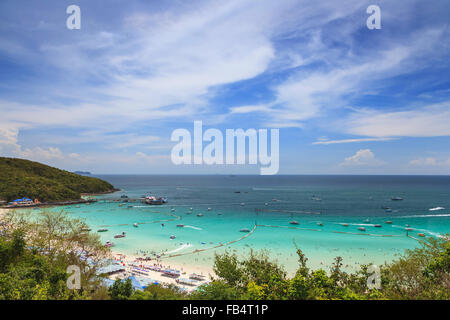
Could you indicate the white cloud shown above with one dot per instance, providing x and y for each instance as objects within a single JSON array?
[
  {"x": 430, "y": 162},
  {"x": 326, "y": 142},
  {"x": 363, "y": 157},
  {"x": 429, "y": 121}
]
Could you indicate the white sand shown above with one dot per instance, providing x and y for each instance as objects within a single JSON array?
[
  {"x": 3, "y": 212},
  {"x": 186, "y": 270}
]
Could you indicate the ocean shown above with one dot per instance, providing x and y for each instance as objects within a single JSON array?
[{"x": 320, "y": 205}]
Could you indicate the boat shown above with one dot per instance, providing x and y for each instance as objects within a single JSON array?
[
  {"x": 367, "y": 221},
  {"x": 320, "y": 224},
  {"x": 172, "y": 237},
  {"x": 245, "y": 230},
  {"x": 377, "y": 225},
  {"x": 209, "y": 209},
  {"x": 180, "y": 225},
  {"x": 294, "y": 222},
  {"x": 109, "y": 244},
  {"x": 344, "y": 224},
  {"x": 102, "y": 230},
  {"x": 122, "y": 235},
  {"x": 361, "y": 228},
  {"x": 242, "y": 203},
  {"x": 152, "y": 200},
  {"x": 421, "y": 235},
  {"x": 396, "y": 199},
  {"x": 388, "y": 222},
  {"x": 124, "y": 196},
  {"x": 409, "y": 229},
  {"x": 172, "y": 210},
  {"x": 135, "y": 225},
  {"x": 199, "y": 214}
]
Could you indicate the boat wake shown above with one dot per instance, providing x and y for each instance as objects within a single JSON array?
[
  {"x": 436, "y": 209},
  {"x": 426, "y": 215},
  {"x": 183, "y": 246},
  {"x": 192, "y": 227}
]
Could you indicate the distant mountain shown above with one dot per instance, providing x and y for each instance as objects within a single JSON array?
[{"x": 23, "y": 178}]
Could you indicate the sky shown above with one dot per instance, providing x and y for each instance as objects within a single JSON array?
[{"x": 346, "y": 99}]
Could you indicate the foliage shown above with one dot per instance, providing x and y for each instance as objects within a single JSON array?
[
  {"x": 23, "y": 178},
  {"x": 158, "y": 292},
  {"x": 121, "y": 290},
  {"x": 34, "y": 256}
]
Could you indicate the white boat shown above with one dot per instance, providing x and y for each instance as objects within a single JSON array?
[
  {"x": 200, "y": 215},
  {"x": 245, "y": 230},
  {"x": 361, "y": 228},
  {"x": 135, "y": 225}
]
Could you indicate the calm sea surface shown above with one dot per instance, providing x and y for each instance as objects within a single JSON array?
[{"x": 320, "y": 204}]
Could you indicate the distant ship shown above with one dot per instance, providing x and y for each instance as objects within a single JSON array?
[
  {"x": 152, "y": 200},
  {"x": 396, "y": 199}
]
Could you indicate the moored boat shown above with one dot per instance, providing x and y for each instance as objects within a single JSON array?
[
  {"x": 122, "y": 235},
  {"x": 294, "y": 222},
  {"x": 102, "y": 230}
]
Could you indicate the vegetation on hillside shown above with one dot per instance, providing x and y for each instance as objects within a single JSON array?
[{"x": 23, "y": 178}]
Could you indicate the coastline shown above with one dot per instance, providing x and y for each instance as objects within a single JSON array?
[{"x": 186, "y": 269}]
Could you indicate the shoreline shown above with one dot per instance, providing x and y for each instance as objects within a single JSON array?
[
  {"x": 63, "y": 202},
  {"x": 186, "y": 269}
]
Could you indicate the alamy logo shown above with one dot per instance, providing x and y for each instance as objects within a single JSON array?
[{"x": 213, "y": 153}]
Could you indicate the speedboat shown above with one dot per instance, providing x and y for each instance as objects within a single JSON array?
[
  {"x": 122, "y": 235},
  {"x": 172, "y": 237},
  {"x": 209, "y": 209},
  {"x": 135, "y": 225},
  {"x": 109, "y": 244},
  {"x": 294, "y": 222},
  {"x": 244, "y": 230},
  {"x": 361, "y": 228},
  {"x": 388, "y": 222},
  {"x": 377, "y": 225},
  {"x": 180, "y": 225},
  {"x": 396, "y": 199},
  {"x": 200, "y": 215}
]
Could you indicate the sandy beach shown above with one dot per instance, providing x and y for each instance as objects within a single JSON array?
[
  {"x": 3, "y": 212},
  {"x": 132, "y": 260}
]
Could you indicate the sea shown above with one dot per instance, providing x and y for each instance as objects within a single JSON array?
[{"x": 319, "y": 214}]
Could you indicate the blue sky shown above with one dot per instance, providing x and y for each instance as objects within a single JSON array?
[{"x": 347, "y": 100}]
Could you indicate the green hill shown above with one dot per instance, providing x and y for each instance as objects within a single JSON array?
[{"x": 23, "y": 178}]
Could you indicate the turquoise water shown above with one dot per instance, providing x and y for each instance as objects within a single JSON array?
[{"x": 331, "y": 200}]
